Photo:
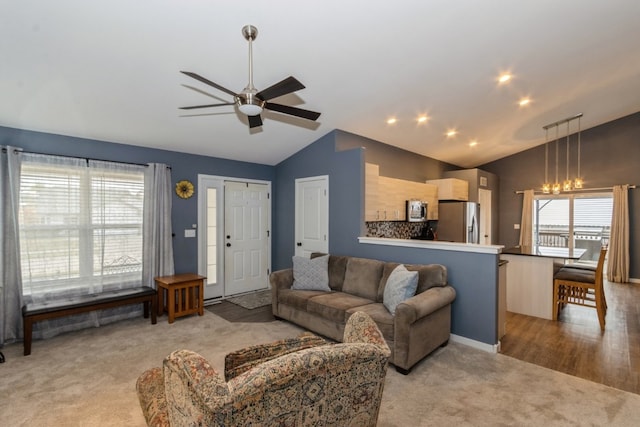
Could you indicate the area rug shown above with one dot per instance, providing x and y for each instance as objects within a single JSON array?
[
  {"x": 252, "y": 300},
  {"x": 87, "y": 378}
]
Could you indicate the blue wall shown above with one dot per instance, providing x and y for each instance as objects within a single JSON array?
[
  {"x": 183, "y": 166},
  {"x": 474, "y": 276}
]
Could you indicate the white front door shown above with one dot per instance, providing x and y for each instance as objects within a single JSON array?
[
  {"x": 246, "y": 237},
  {"x": 312, "y": 215},
  {"x": 484, "y": 198}
]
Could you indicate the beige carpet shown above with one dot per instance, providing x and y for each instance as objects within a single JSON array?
[{"x": 88, "y": 378}]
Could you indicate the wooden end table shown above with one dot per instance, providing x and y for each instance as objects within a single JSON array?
[{"x": 180, "y": 295}]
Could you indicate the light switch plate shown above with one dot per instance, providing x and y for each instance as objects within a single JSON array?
[{"x": 516, "y": 226}]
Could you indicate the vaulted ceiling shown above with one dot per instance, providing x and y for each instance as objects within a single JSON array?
[{"x": 110, "y": 70}]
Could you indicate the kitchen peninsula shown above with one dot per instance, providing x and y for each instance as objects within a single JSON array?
[
  {"x": 472, "y": 270},
  {"x": 530, "y": 277}
]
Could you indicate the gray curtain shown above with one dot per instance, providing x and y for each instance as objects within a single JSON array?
[
  {"x": 618, "y": 263},
  {"x": 157, "y": 246},
  {"x": 526, "y": 223},
  {"x": 11, "y": 284}
]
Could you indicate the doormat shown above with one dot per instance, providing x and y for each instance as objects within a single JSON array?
[{"x": 252, "y": 300}]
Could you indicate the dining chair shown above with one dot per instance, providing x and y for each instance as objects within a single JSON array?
[{"x": 581, "y": 286}]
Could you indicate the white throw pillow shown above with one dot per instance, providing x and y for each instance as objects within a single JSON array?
[
  {"x": 401, "y": 285},
  {"x": 311, "y": 274}
]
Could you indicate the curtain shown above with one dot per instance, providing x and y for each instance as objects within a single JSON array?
[
  {"x": 618, "y": 263},
  {"x": 11, "y": 279},
  {"x": 526, "y": 223},
  {"x": 80, "y": 230},
  {"x": 158, "y": 241}
]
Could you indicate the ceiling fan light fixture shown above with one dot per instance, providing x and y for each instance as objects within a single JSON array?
[{"x": 249, "y": 104}]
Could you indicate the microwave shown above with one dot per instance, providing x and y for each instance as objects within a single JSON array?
[{"x": 416, "y": 211}]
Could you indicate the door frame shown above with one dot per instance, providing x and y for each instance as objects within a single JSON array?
[{"x": 203, "y": 179}]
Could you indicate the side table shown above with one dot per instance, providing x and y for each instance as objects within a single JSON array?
[{"x": 180, "y": 295}]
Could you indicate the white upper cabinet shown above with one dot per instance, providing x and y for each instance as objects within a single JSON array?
[{"x": 451, "y": 188}]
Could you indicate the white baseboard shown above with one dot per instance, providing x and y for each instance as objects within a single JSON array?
[{"x": 489, "y": 348}]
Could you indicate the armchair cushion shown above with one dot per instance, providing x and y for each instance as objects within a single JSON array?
[{"x": 240, "y": 361}]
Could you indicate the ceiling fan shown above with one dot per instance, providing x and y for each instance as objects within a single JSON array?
[{"x": 251, "y": 102}]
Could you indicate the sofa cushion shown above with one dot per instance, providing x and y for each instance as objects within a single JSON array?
[
  {"x": 337, "y": 268},
  {"x": 429, "y": 275},
  {"x": 311, "y": 274},
  {"x": 401, "y": 285},
  {"x": 362, "y": 278},
  {"x": 334, "y": 306},
  {"x": 297, "y": 299}
]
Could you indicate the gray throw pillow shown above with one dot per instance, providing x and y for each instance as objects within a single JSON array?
[
  {"x": 401, "y": 285},
  {"x": 311, "y": 274}
]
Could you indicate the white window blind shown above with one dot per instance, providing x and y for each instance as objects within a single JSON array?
[{"x": 80, "y": 225}]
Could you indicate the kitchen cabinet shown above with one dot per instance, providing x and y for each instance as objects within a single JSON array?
[
  {"x": 451, "y": 189},
  {"x": 385, "y": 197}
]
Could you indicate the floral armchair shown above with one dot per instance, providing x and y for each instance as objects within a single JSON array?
[{"x": 296, "y": 382}]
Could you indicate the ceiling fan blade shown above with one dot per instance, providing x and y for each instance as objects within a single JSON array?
[
  {"x": 288, "y": 85},
  {"x": 254, "y": 121},
  {"x": 206, "y": 106},
  {"x": 209, "y": 82},
  {"x": 293, "y": 111}
]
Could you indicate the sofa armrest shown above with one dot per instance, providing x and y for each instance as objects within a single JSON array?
[
  {"x": 281, "y": 279},
  {"x": 424, "y": 303},
  {"x": 196, "y": 394},
  {"x": 360, "y": 328}
]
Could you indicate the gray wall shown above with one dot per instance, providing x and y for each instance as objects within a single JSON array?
[
  {"x": 394, "y": 162},
  {"x": 183, "y": 166},
  {"x": 610, "y": 155}
]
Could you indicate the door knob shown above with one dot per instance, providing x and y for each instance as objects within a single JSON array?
[
  {"x": 299, "y": 243},
  {"x": 228, "y": 245}
]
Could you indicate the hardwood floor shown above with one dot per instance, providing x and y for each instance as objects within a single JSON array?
[{"x": 575, "y": 344}]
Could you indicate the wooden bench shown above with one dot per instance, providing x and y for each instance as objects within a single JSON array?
[{"x": 36, "y": 312}]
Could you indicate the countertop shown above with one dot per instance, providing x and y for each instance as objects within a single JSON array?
[
  {"x": 433, "y": 244},
  {"x": 545, "y": 251}
]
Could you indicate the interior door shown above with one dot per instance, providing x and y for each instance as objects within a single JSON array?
[
  {"x": 246, "y": 237},
  {"x": 312, "y": 215},
  {"x": 484, "y": 198}
]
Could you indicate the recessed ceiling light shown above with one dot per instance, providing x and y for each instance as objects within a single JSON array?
[
  {"x": 423, "y": 119},
  {"x": 504, "y": 78},
  {"x": 451, "y": 133},
  {"x": 524, "y": 101},
  {"x": 473, "y": 143},
  {"x": 391, "y": 121}
]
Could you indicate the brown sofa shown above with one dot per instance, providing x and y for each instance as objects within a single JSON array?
[
  {"x": 421, "y": 323},
  {"x": 294, "y": 382}
]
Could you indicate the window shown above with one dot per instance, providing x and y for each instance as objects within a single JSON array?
[
  {"x": 573, "y": 221},
  {"x": 80, "y": 225}
]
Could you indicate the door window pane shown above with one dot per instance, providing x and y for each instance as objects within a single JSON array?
[{"x": 573, "y": 221}]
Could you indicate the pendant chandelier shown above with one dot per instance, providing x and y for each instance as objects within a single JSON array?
[{"x": 568, "y": 184}]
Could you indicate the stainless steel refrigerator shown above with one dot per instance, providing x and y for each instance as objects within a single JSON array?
[{"x": 458, "y": 222}]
